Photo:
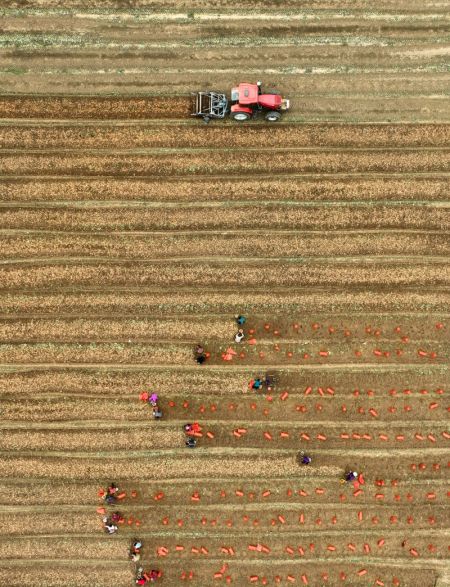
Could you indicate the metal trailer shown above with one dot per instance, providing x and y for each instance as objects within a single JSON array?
[{"x": 210, "y": 105}]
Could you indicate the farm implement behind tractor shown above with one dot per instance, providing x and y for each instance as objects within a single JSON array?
[{"x": 247, "y": 101}]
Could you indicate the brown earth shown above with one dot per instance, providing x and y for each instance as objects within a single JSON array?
[{"x": 131, "y": 232}]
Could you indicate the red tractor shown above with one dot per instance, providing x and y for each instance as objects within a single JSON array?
[{"x": 247, "y": 101}]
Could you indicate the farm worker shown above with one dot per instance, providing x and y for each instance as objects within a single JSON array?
[
  {"x": 239, "y": 336},
  {"x": 200, "y": 356},
  {"x": 112, "y": 489},
  {"x": 110, "y": 496},
  {"x": 269, "y": 381},
  {"x": 306, "y": 460},
  {"x": 240, "y": 320},
  {"x": 257, "y": 383},
  {"x": 140, "y": 578},
  {"x": 188, "y": 428},
  {"x": 116, "y": 516},
  {"x": 191, "y": 442},
  {"x": 154, "y": 575},
  {"x": 110, "y": 528},
  {"x": 135, "y": 551},
  {"x": 153, "y": 399},
  {"x": 351, "y": 476},
  {"x": 157, "y": 414}
]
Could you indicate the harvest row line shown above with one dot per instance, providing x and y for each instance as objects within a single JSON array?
[
  {"x": 318, "y": 217},
  {"x": 213, "y": 161},
  {"x": 159, "y": 465},
  {"x": 222, "y": 382},
  {"x": 134, "y": 135},
  {"x": 176, "y": 492},
  {"x": 360, "y": 273},
  {"x": 321, "y": 516},
  {"x": 140, "y": 304},
  {"x": 308, "y": 437},
  {"x": 177, "y": 353},
  {"x": 56, "y": 412},
  {"x": 147, "y": 246},
  {"x": 327, "y": 329},
  {"x": 292, "y": 188}
]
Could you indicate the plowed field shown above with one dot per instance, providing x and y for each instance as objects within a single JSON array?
[{"x": 130, "y": 232}]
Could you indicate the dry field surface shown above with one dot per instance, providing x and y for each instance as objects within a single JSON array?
[{"x": 130, "y": 232}]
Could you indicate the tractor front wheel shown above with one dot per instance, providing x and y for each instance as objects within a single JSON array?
[
  {"x": 240, "y": 116},
  {"x": 273, "y": 116}
]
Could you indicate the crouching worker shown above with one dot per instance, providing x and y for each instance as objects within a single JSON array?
[
  {"x": 156, "y": 412},
  {"x": 109, "y": 526},
  {"x": 135, "y": 551},
  {"x": 200, "y": 355},
  {"x": 110, "y": 496}
]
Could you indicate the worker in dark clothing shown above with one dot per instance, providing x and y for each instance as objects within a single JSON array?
[
  {"x": 351, "y": 476},
  {"x": 191, "y": 442},
  {"x": 240, "y": 320},
  {"x": 200, "y": 355},
  {"x": 305, "y": 460}
]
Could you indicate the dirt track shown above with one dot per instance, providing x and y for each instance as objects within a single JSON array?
[{"x": 130, "y": 232}]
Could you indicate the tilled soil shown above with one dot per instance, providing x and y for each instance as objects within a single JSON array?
[{"x": 131, "y": 232}]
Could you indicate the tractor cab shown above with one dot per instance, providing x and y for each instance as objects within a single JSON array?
[{"x": 247, "y": 100}]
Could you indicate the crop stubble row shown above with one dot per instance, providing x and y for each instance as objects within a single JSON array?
[
  {"x": 134, "y": 135},
  {"x": 299, "y": 329}
]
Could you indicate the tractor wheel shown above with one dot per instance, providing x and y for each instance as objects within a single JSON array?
[
  {"x": 273, "y": 116},
  {"x": 240, "y": 116}
]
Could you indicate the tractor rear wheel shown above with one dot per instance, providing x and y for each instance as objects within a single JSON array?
[
  {"x": 240, "y": 116},
  {"x": 273, "y": 116}
]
